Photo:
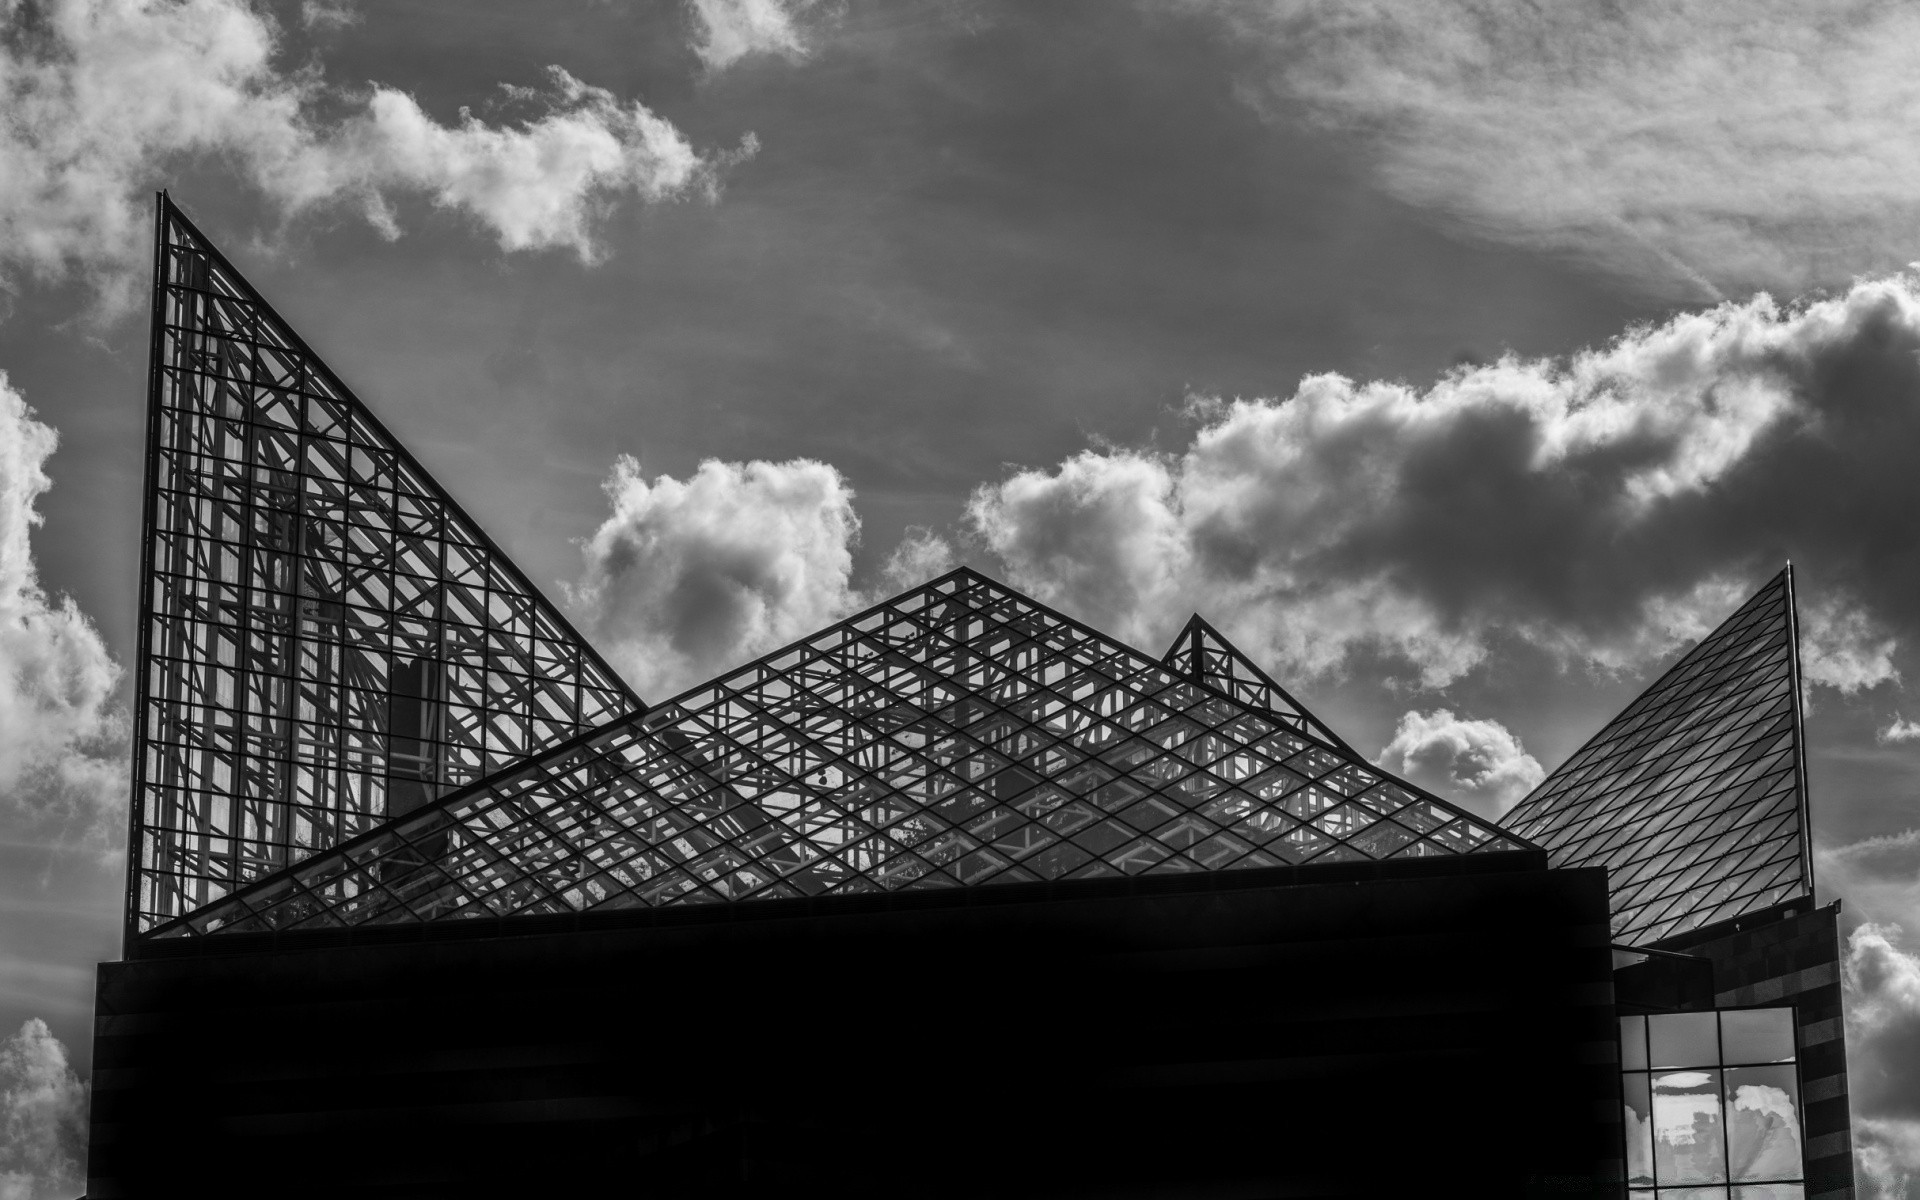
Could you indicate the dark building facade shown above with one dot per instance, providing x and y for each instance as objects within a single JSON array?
[{"x": 957, "y": 897}]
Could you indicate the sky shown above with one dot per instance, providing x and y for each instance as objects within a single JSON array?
[{"x": 1463, "y": 362}]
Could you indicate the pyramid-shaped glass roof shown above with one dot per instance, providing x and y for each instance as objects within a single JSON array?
[
  {"x": 328, "y": 640},
  {"x": 1694, "y": 798},
  {"x": 1203, "y": 654},
  {"x": 957, "y": 735}
]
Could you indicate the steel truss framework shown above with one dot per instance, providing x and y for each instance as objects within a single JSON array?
[
  {"x": 1201, "y": 653},
  {"x": 327, "y": 639},
  {"x": 958, "y": 734},
  {"x": 1694, "y": 797}
]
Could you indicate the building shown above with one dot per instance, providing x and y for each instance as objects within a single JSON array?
[{"x": 957, "y": 897}]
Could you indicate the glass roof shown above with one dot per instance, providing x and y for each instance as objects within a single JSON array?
[
  {"x": 1694, "y": 797},
  {"x": 957, "y": 735},
  {"x": 329, "y": 640},
  {"x": 1200, "y": 652}
]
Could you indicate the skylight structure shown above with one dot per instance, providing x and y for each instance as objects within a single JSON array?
[
  {"x": 1202, "y": 654},
  {"x": 1694, "y": 798},
  {"x": 957, "y": 735},
  {"x": 328, "y": 641}
]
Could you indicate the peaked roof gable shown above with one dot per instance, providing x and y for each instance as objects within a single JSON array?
[
  {"x": 1203, "y": 654},
  {"x": 328, "y": 640},
  {"x": 1694, "y": 797},
  {"x": 956, "y": 735}
]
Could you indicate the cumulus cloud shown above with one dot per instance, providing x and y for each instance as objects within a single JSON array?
[
  {"x": 1700, "y": 144},
  {"x": 730, "y": 30},
  {"x": 43, "y": 1118},
  {"x": 1476, "y": 762},
  {"x": 104, "y": 96},
  {"x": 61, "y": 737},
  {"x": 1608, "y": 508},
  {"x": 687, "y": 578}
]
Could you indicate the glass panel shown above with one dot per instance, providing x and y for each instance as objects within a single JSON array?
[
  {"x": 1683, "y": 1040},
  {"x": 1687, "y": 1145},
  {"x": 1763, "y": 1123},
  {"x": 1693, "y": 1193},
  {"x": 1633, "y": 1043},
  {"x": 1757, "y": 1035},
  {"x": 1639, "y": 1122},
  {"x": 1770, "y": 1191}
]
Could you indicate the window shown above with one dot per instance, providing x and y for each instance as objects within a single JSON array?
[{"x": 1712, "y": 1105}]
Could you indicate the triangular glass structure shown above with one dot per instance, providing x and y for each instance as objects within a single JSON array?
[
  {"x": 1203, "y": 654},
  {"x": 328, "y": 641},
  {"x": 959, "y": 734},
  {"x": 1694, "y": 798}
]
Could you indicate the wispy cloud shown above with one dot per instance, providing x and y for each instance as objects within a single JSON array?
[
  {"x": 730, "y": 30},
  {"x": 1900, "y": 730},
  {"x": 104, "y": 97},
  {"x": 1607, "y": 508},
  {"x": 1690, "y": 147}
]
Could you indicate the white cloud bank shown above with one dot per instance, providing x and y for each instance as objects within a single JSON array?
[
  {"x": 1696, "y": 143},
  {"x": 103, "y": 96},
  {"x": 1477, "y": 762},
  {"x": 1607, "y": 509},
  {"x": 687, "y": 578},
  {"x": 43, "y": 1118},
  {"x": 62, "y": 752}
]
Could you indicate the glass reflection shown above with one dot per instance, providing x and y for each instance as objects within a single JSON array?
[
  {"x": 1757, "y": 1035},
  {"x": 1688, "y": 1039},
  {"x": 1639, "y": 1121},
  {"x": 1633, "y": 1043},
  {"x": 1693, "y": 1193},
  {"x": 1771, "y": 1191},
  {"x": 1687, "y": 1137},
  {"x": 1763, "y": 1122}
]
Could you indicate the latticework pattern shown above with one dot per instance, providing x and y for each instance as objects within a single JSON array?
[
  {"x": 1693, "y": 798},
  {"x": 328, "y": 640},
  {"x": 959, "y": 734},
  {"x": 1203, "y": 654}
]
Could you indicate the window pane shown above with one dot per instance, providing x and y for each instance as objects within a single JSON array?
[
  {"x": 1633, "y": 1043},
  {"x": 1770, "y": 1191},
  {"x": 1639, "y": 1120},
  {"x": 1684, "y": 1039},
  {"x": 1693, "y": 1193},
  {"x": 1687, "y": 1146},
  {"x": 1763, "y": 1123},
  {"x": 1757, "y": 1035}
]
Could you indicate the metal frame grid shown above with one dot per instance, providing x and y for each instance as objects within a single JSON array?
[
  {"x": 1694, "y": 797},
  {"x": 1729, "y": 1071},
  {"x": 959, "y": 734},
  {"x": 1201, "y": 653},
  {"x": 327, "y": 640}
]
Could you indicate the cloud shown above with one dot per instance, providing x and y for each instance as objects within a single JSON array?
[
  {"x": 921, "y": 555},
  {"x": 1476, "y": 762},
  {"x": 686, "y": 579},
  {"x": 730, "y": 30},
  {"x": 1607, "y": 508},
  {"x": 1882, "y": 981},
  {"x": 105, "y": 97},
  {"x": 1901, "y": 730},
  {"x": 43, "y": 1118},
  {"x": 62, "y": 740},
  {"x": 1696, "y": 145},
  {"x": 1887, "y": 1154}
]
